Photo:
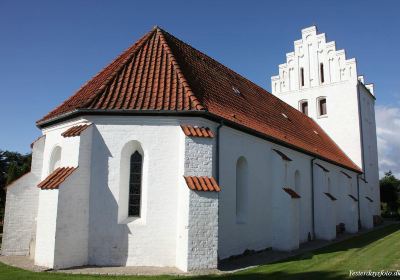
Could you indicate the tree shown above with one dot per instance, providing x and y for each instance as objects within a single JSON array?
[
  {"x": 12, "y": 166},
  {"x": 389, "y": 189}
]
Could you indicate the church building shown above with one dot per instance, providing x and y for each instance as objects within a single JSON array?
[{"x": 168, "y": 158}]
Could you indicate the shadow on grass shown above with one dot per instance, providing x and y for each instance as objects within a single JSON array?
[
  {"x": 351, "y": 243},
  {"x": 276, "y": 275},
  {"x": 360, "y": 241}
]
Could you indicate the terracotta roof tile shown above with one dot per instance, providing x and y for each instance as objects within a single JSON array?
[
  {"x": 196, "y": 131},
  {"x": 58, "y": 176},
  {"x": 162, "y": 73},
  {"x": 291, "y": 192},
  {"x": 202, "y": 183},
  {"x": 75, "y": 130}
]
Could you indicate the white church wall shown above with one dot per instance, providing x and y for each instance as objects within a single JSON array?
[
  {"x": 72, "y": 231},
  {"x": 367, "y": 106},
  {"x": 341, "y": 121},
  {"x": 366, "y": 206},
  {"x": 325, "y": 219},
  {"x": 339, "y": 87},
  {"x": 19, "y": 229},
  {"x": 46, "y": 228},
  {"x": 69, "y": 146},
  {"x": 256, "y": 231},
  {"x": 203, "y": 206},
  {"x": 150, "y": 239},
  {"x": 273, "y": 219},
  {"x": 285, "y": 209},
  {"x": 347, "y": 208},
  {"x": 47, "y": 247},
  {"x": 350, "y": 118}
]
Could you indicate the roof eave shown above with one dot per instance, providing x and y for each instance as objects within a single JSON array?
[{"x": 197, "y": 113}]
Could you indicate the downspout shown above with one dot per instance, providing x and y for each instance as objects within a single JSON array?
[
  {"x": 217, "y": 152},
  {"x": 312, "y": 199},
  {"x": 217, "y": 149},
  {"x": 358, "y": 201}
]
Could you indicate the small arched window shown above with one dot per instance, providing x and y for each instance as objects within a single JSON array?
[
  {"x": 321, "y": 71},
  {"x": 135, "y": 184},
  {"x": 55, "y": 159},
  {"x": 302, "y": 76},
  {"x": 241, "y": 189}
]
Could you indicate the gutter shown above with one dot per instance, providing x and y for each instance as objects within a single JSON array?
[
  {"x": 312, "y": 198},
  {"x": 203, "y": 114}
]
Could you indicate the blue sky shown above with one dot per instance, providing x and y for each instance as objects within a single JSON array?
[{"x": 48, "y": 49}]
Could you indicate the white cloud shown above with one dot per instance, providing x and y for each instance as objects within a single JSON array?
[{"x": 388, "y": 132}]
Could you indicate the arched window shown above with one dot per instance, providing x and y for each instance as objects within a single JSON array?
[
  {"x": 321, "y": 70},
  {"x": 297, "y": 182},
  {"x": 302, "y": 76},
  {"x": 241, "y": 189},
  {"x": 55, "y": 159},
  {"x": 135, "y": 184}
]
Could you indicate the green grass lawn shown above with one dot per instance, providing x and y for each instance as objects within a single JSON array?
[{"x": 376, "y": 250}]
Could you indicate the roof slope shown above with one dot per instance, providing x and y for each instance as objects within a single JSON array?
[{"x": 162, "y": 73}]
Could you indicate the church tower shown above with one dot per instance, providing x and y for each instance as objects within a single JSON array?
[{"x": 321, "y": 82}]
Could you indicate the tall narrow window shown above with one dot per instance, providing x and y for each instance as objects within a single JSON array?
[
  {"x": 322, "y": 106},
  {"x": 135, "y": 184},
  {"x": 241, "y": 189},
  {"x": 302, "y": 76},
  {"x": 304, "y": 107},
  {"x": 321, "y": 70}
]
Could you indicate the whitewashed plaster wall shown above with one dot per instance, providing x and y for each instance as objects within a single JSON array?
[
  {"x": 150, "y": 240},
  {"x": 273, "y": 219},
  {"x": 19, "y": 229},
  {"x": 350, "y": 118},
  {"x": 50, "y": 218}
]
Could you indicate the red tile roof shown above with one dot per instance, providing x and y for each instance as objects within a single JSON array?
[
  {"x": 196, "y": 131},
  {"x": 291, "y": 192},
  {"x": 75, "y": 130},
  {"x": 54, "y": 180},
  {"x": 202, "y": 183},
  {"x": 162, "y": 74}
]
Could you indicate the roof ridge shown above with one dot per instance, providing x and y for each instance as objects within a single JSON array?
[{"x": 178, "y": 70}]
